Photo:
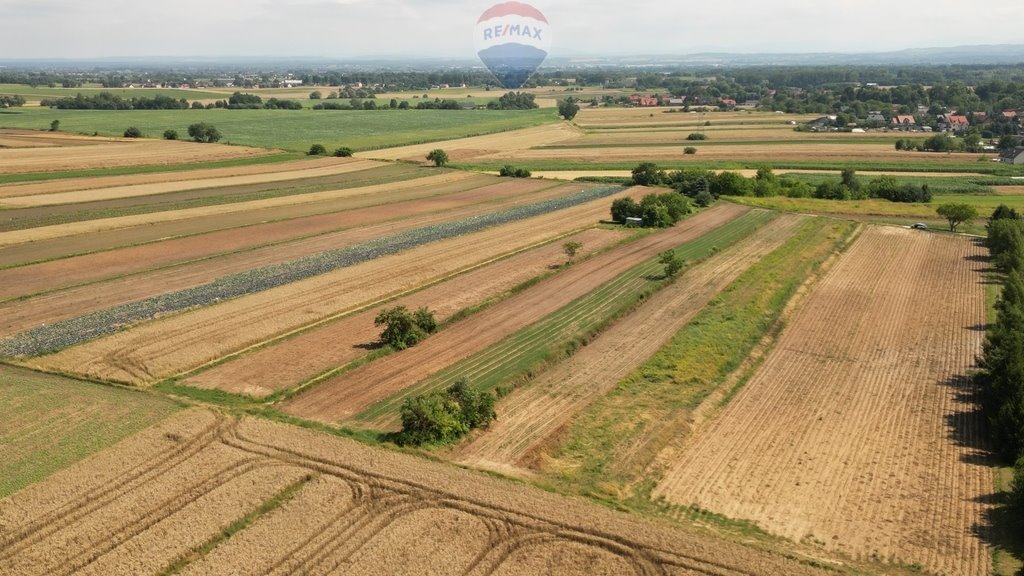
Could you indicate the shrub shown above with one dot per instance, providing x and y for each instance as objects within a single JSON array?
[
  {"x": 317, "y": 150},
  {"x": 55, "y": 125},
  {"x": 672, "y": 263},
  {"x": 1017, "y": 487},
  {"x": 697, "y": 136},
  {"x": 438, "y": 157},
  {"x": 689, "y": 150},
  {"x": 343, "y": 152},
  {"x": 170, "y": 134},
  {"x": 444, "y": 416},
  {"x": 132, "y": 132},
  {"x": 203, "y": 132},
  {"x": 513, "y": 172}
]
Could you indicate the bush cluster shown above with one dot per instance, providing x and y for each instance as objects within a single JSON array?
[
  {"x": 402, "y": 328},
  {"x": 514, "y": 101},
  {"x": 655, "y": 210},
  {"x": 509, "y": 171},
  {"x": 445, "y": 416}
]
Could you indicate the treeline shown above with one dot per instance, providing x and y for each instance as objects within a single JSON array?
[
  {"x": 706, "y": 186},
  {"x": 110, "y": 101},
  {"x": 514, "y": 101},
  {"x": 1001, "y": 379},
  {"x": 240, "y": 101},
  {"x": 11, "y": 101}
]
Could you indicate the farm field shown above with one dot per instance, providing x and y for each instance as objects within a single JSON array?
[
  {"x": 79, "y": 154},
  {"x": 297, "y": 360},
  {"x": 325, "y": 504},
  {"x": 277, "y": 301},
  {"x": 352, "y": 392},
  {"x": 859, "y": 428},
  {"x": 530, "y": 415},
  {"x": 51, "y": 422},
  {"x": 294, "y": 130}
]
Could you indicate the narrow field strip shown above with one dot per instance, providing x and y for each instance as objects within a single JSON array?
[
  {"x": 93, "y": 226},
  {"x": 544, "y": 340},
  {"x": 610, "y": 449},
  {"x": 36, "y": 195},
  {"x": 77, "y": 330},
  {"x": 531, "y": 414},
  {"x": 201, "y": 235},
  {"x": 179, "y": 344},
  {"x": 42, "y": 216},
  {"x": 24, "y": 314},
  {"x": 859, "y": 432},
  {"x": 352, "y": 392},
  {"x": 293, "y": 362}
]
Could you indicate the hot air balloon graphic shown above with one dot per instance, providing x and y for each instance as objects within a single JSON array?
[{"x": 512, "y": 39}]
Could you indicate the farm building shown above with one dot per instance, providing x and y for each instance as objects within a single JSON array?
[
  {"x": 903, "y": 121},
  {"x": 1014, "y": 156}
]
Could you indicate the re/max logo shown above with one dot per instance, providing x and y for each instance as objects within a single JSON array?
[{"x": 512, "y": 30}]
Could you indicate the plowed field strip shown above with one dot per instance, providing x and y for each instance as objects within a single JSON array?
[
  {"x": 296, "y": 360},
  {"x": 188, "y": 341},
  {"x": 864, "y": 437},
  {"x": 146, "y": 247},
  {"x": 16, "y": 195},
  {"x": 93, "y": 226},
  {"x": 22, "y": 315},
  {"x": 41, "y": 216},
  {"x": 354, "y": 391},
  {"x": 534, "y": 412},
  {"x": 532, "y": 346},
  {"x": 109, "y": 154}
]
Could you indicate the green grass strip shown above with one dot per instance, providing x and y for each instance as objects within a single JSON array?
[
  {"x": 651, "y": 406},
  {"x": 197, "y": 553},
  {"x": 522, "y": 353}
]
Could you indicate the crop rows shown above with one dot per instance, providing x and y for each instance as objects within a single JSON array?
[{"x": 74, "y": 331}]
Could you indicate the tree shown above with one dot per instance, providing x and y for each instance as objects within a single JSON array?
[
  {"x": 623, "y": 208},
  {"x": 203, "y": 132},
  {"x": 568, "y": 108},
  {"x": 444, "y": 416},
  {"x": 648, "y": 174},
  {"x": 170, "y": 134},
  {"x": 438, "y": 157},
  {"x": 697, "y": 136},
  {"x": 315, "y": 95},
  {"x": 132, "y": 132},
  {"x": 672, "y": 263},
  {"x": 343, "y": 152},
  {"x": 510, "y": 171},
  {"x": 957, "y": 214},
  {"x": 317, "y": 150},
  {"x": 689, "y": 150},
  {"x": 403, "y": 329},
  {"x": 571, "y": 249},
  {"x": 55, "y": 125}
]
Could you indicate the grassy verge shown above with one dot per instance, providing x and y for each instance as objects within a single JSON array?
[
  {"x": 26, "y": 177},
  {"x": 294, "y": 130},
  {"x": 608, "y": 450},
  {"x": 197, "y": 553},
  {"x": 525, "y": 353}
]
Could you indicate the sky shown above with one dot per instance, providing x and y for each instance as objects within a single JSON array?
[{"x": 340, "y": 29}]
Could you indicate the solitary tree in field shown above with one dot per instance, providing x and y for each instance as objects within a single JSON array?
[
  {"x": 568, "y": 108},
  {"x": 402, "y": 328},
  {"x": 315, "y": 95},
  {"x": 132, "y": 132},
  {"x": 672, "y": 263},
  {"x": 170, "y": 134},
  {"x": 203, "y": 132},
  {"x": 317, "y": 150},
  {"x": 957, "y": 214},
  {"x": 55, "y": 125},
  {"x": 571, "y": 249},
  {"x": 438, "y": 157}
]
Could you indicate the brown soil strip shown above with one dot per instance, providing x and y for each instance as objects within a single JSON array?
[
  {"x": 295, "y": 361},
  {"x": 347, "y": 395},
  {"x": 858, "y": 432},
  {"x": 111, "y": 154},
  {"x": 533, "y": 413}
]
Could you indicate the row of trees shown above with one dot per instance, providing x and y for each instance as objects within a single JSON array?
[
  {"x": 514, "y": 101},
  {"x": 945, "y": 143},
  {"x": 1001, "y": 379},
  {"x": 14, "y": 101},
  {"x": 110, "y": 101}
]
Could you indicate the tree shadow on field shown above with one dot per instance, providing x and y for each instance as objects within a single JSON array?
[
  {"x": 370, "y": 346},
  {"x": 1000, "y": 527}
]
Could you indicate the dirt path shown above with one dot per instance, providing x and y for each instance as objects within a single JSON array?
[
  {"x": 534, "y": 412},
  {"x": 858, "y": 433},
  {"x": 340, "y": 166},
  {"x": 137, "y": 507},
  {"x": 20, "y": 315},
  {"x": 186, "y": 341},
  {"x": 294, "y": 361},
  {"x": 342, "y": 397}
]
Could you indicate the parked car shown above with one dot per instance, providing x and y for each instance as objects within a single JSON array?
[{"x": 920, "y": 226}]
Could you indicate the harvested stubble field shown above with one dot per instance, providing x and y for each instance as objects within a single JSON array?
[
  {"x": 55, "y": 306},
  {"x": 352, "y": 392},
  {"x": 614, "y": 118},
  {"x": 107, "y": 153},
  {"x": 120, "y": 222},
  {"x": 294, "y": 361},
  {"x": 859, "y": 433},
  {"x": 29, "y": 195},
  {"x": 533, "y": 413},
  {"x": 481, "y": 145},
  {"x": 302, "y": 502},
  {"x": 203, "y": 234},
  {"x": 49, "y": 422},
  {"x": 389, "y": 267}
]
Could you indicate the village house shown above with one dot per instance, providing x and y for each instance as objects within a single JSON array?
[
  {"x": 876, "y": 117},
  {"x": 1013, "y": 156},
  {"x": 903, "y": 121},
  {"x": 954, "y": 123}
]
